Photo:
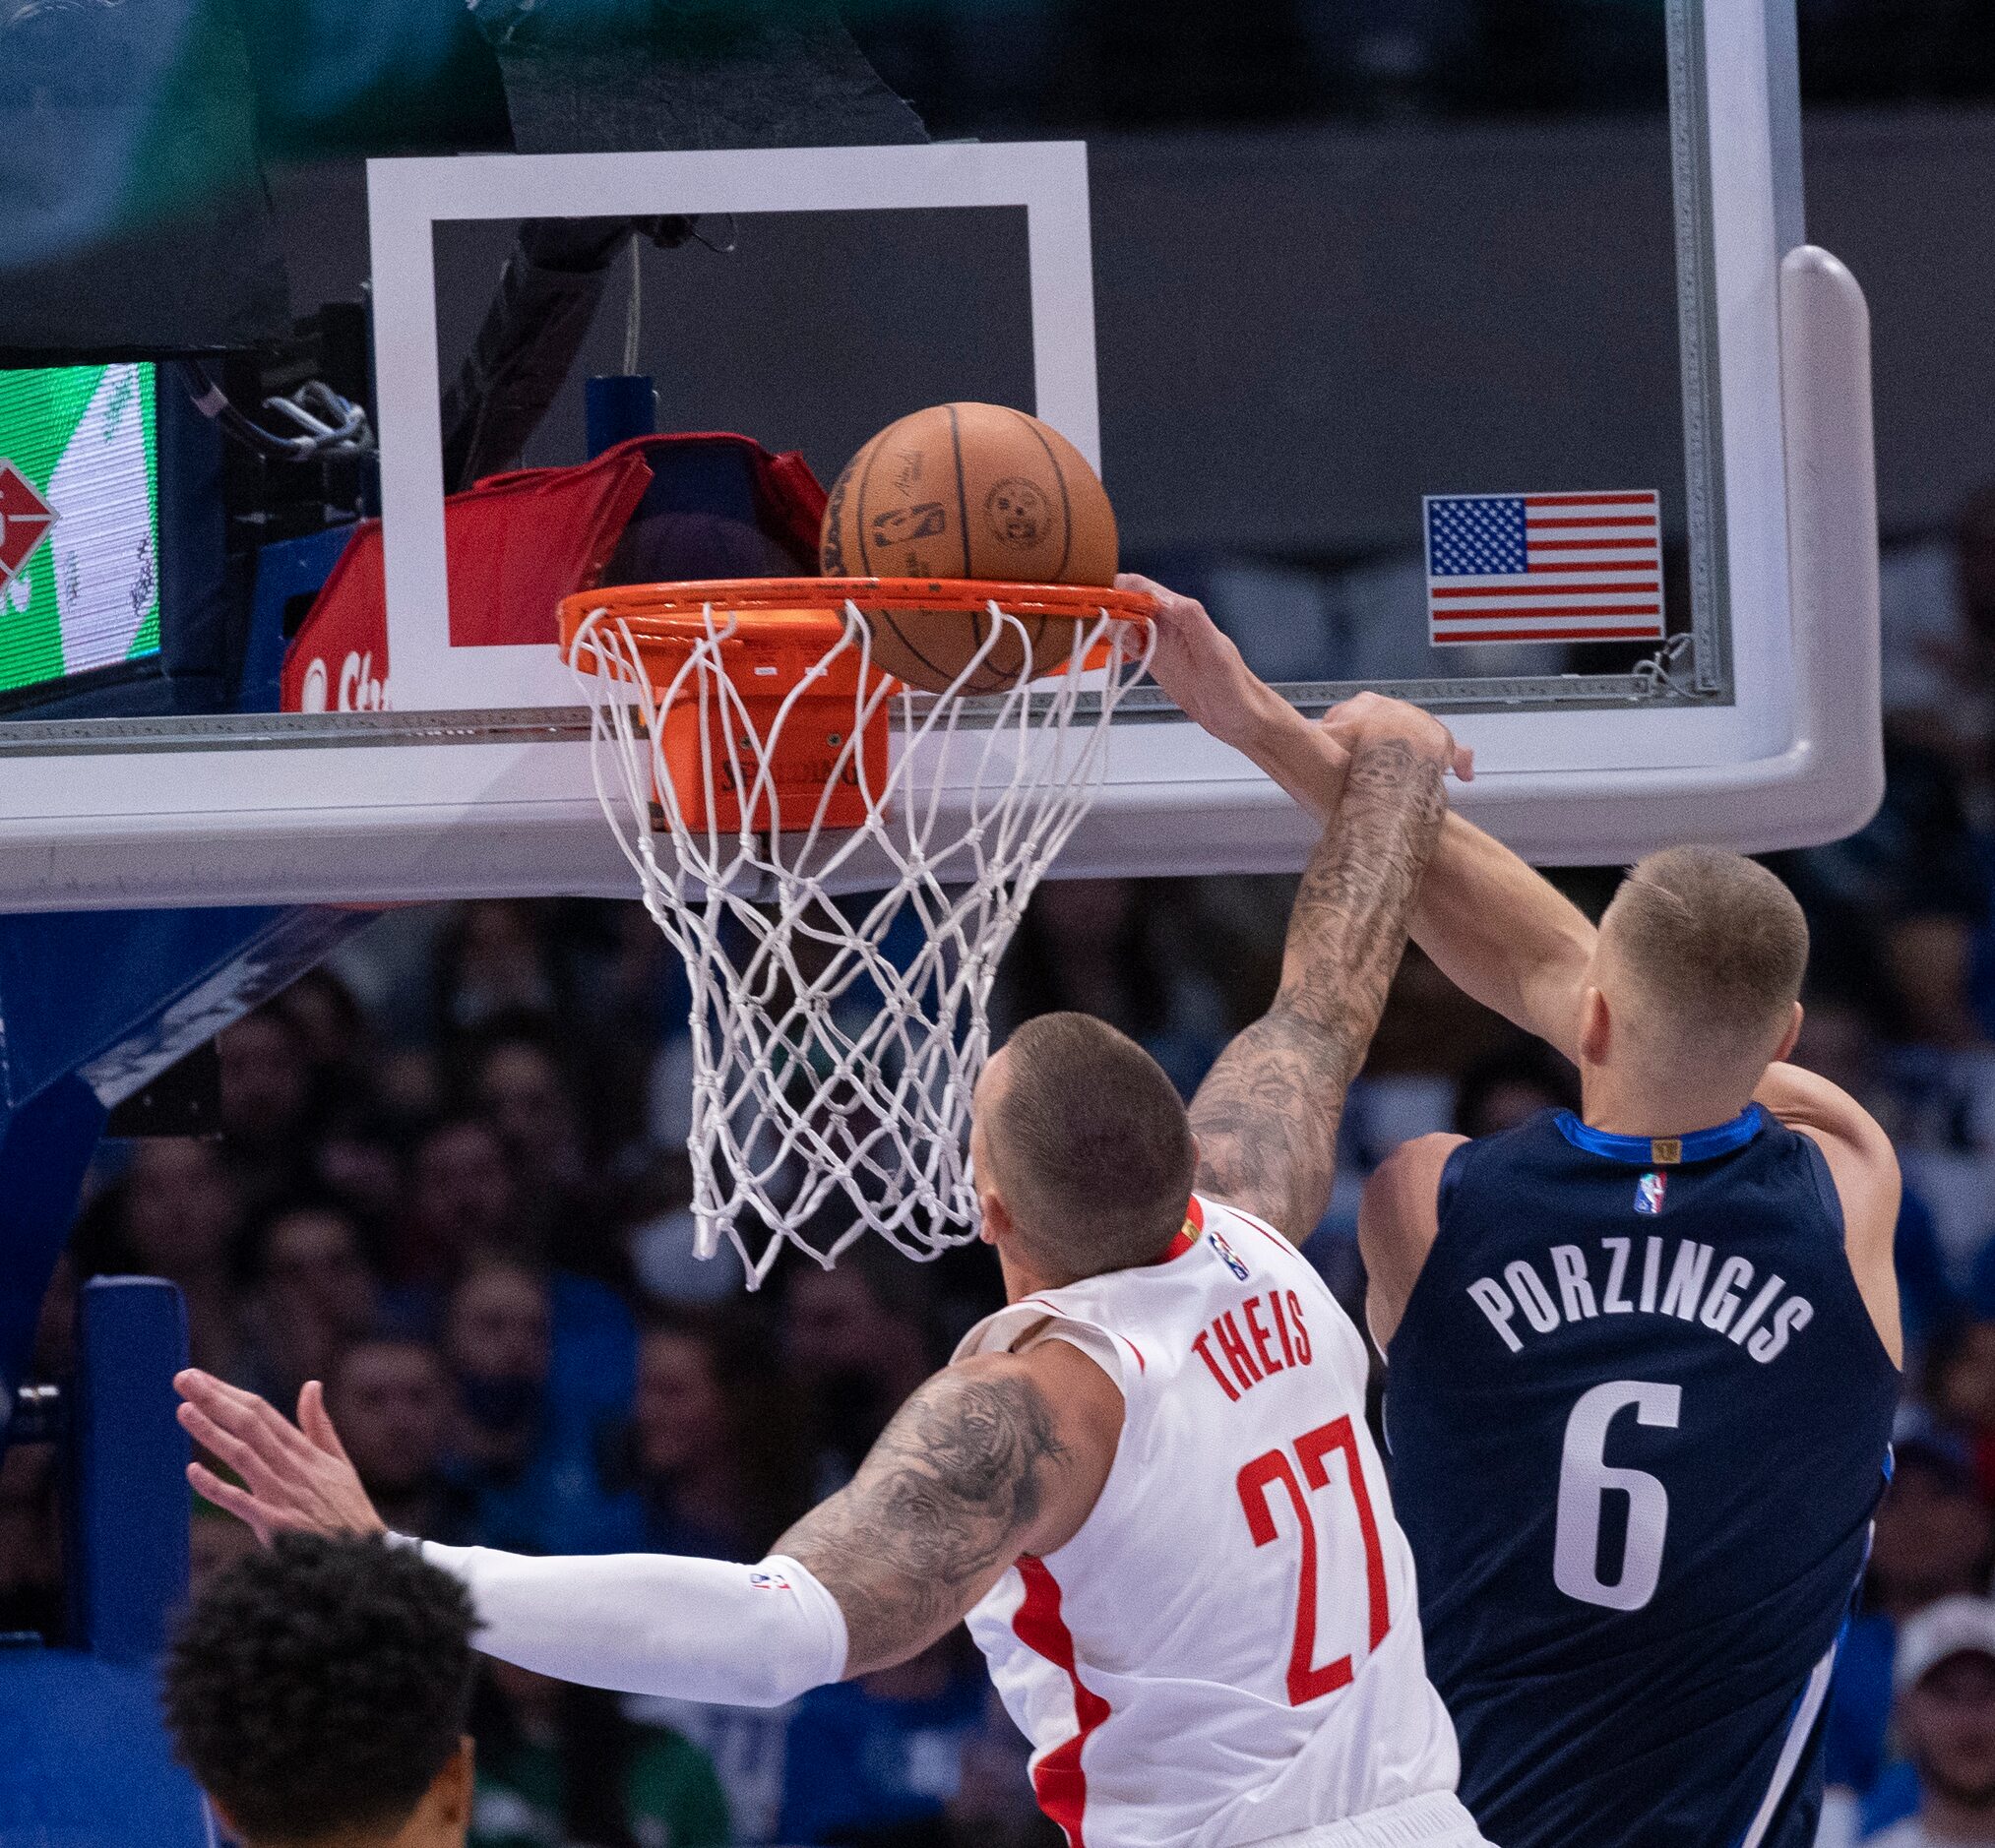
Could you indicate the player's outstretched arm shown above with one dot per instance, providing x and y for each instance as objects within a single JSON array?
[
  {"x": 1204, "y": 673},
  {"x": 995, "y": 1456},
  {"x": 1864, "y": 1167},
  {"x": 1504, "y": 935},
  {"x": 1266, "y": 1115}
]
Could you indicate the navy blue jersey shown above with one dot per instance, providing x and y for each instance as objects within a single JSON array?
[{"x": 1639, "y": 1415}]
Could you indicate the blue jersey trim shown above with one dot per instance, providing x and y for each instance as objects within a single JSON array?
[{"x": 1644, "y": 1151}]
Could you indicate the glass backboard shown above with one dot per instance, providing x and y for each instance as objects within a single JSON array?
[{"x": 1558, "y": 428}]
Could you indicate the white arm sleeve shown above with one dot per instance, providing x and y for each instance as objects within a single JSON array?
[{"x": 651, "y": 1623}]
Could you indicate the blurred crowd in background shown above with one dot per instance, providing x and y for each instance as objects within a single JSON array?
[{"x": 453, "y": 1184}]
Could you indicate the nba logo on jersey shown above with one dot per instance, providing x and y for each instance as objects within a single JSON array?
[
  {"x": 1648, "y": 1192},
  {"x": 1231, "y": 1256}
]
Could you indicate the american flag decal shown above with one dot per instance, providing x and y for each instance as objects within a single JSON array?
[{"x": 1544, "y": 567}]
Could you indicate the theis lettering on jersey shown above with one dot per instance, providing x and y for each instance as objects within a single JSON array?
[
  {"x": 1757, "y": 1313},
  {"x": 1255, "y": 1339}
]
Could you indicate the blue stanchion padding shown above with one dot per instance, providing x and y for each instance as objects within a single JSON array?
[
  {"x": 85, "y": 1761},
  {"x": 128, "y": 1533}
]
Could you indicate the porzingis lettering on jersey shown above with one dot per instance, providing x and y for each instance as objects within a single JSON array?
[
  {"x": 1256, "y": 1338},
  {"x": 1632, "y": 1276}
]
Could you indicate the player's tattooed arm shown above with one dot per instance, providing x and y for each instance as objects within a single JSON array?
[
  {"x": 981, "y": 1465},
  {"x": 1266, "y": 1115}
]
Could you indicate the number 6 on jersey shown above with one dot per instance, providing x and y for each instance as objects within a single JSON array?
[{"x": 1585, "y": 1479}]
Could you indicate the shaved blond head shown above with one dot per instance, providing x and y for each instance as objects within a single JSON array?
[{"x": 1713, "y": 949}]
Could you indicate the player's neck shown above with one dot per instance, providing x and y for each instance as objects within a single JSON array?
[
  {"x": 1021, "y": 1279},
  {"x": 1631, "y": 1104}
]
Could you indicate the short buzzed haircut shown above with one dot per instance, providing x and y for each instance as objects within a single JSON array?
[
  {"x": 1094, "y": 1145},
  {"x": 318, "y": 1687},
  {"x": 1718, "y": 946}
]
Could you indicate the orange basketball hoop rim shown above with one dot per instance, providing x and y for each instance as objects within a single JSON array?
[
  {"x": 676, "y": 609},
  {"x": 808, "y": 708}
]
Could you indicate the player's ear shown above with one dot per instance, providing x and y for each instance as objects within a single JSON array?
[
  {"x": 997, "y": 1217},
  {"x": 1790, "y": 1038},
  {"x": 449, "y": 1797},
  {"x": 1596, "y": 1027}
]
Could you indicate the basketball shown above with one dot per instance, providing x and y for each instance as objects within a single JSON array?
[{"x": 968, "y": 491}]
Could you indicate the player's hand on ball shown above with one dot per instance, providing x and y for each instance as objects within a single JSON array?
[
  {"x": 294, "y": 1477},
  {"x": 1197, "y": 663},
  {"x": 1371, "y": 717}
]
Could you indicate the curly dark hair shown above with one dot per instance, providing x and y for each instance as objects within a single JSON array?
[{"x": 320, "y": 1685}]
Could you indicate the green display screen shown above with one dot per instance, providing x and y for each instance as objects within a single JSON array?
[{"x": 79, "y": 520}]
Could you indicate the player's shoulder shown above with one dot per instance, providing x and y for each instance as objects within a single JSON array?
[
  {"x": 1854, "y": 1146},
  {"x": 1817, "y": 1107},
  {"x": 1407, "y": 1182}
]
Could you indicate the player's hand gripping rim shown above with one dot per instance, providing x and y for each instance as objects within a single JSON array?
[
  {"x": 1204, "y": 673},
  {"x": 294, "y": 1477}
]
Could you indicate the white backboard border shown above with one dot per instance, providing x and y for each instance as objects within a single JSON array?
[{"x": 408, "y": 198}]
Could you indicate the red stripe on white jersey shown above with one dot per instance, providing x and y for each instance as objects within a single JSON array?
[{"x": 1059, "y": 1780}]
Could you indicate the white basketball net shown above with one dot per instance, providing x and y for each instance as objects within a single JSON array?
[{"x": 836, "y": 1041}]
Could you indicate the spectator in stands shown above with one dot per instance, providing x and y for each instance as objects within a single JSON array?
[
  {"x": 714, "y": 1455},
  {"x": 1105, "y": 947},
  {"x": 175, "y": 1213},
  {"x": 31, "y": 1543},
  {"x": 1838, "y": 1040},
  {"x": 356, "y": 1162},
  {"x": 374, "y": 1755},
  {"x": 269, "y": 1101},
  {"x": 526, "y": 1455},
  {"x": 994, "y": 1806},
  {"x": 1960, "y": 1390},
  {"x": 560, "y": 1764},
  {"x": 312, "y": 1293},
  {"x": 519, "y": 1082},
  {"x": 659, "y": 1240},
  {"x": 1932, "y": 1540},
  {"x": 1512, "y": 1084},
  {"x": 1945, "y": 1717},
  {"x": 858, "y": 1339},
  {"x": 492, "y": 960},
  {"x": 334, "y": 1031},
  {"x": 465, "y": 1209},
  {"x": 463, "y": 1199},
  {"x": 1935, "y": 1538},
  {"x": 391, "y": 1400},
  {"x": 497, "y": 1346},
  {"x": 882, "y": 1757}
]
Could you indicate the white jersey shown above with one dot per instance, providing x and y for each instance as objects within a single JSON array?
[{"x": 1229, "y": 1650}]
